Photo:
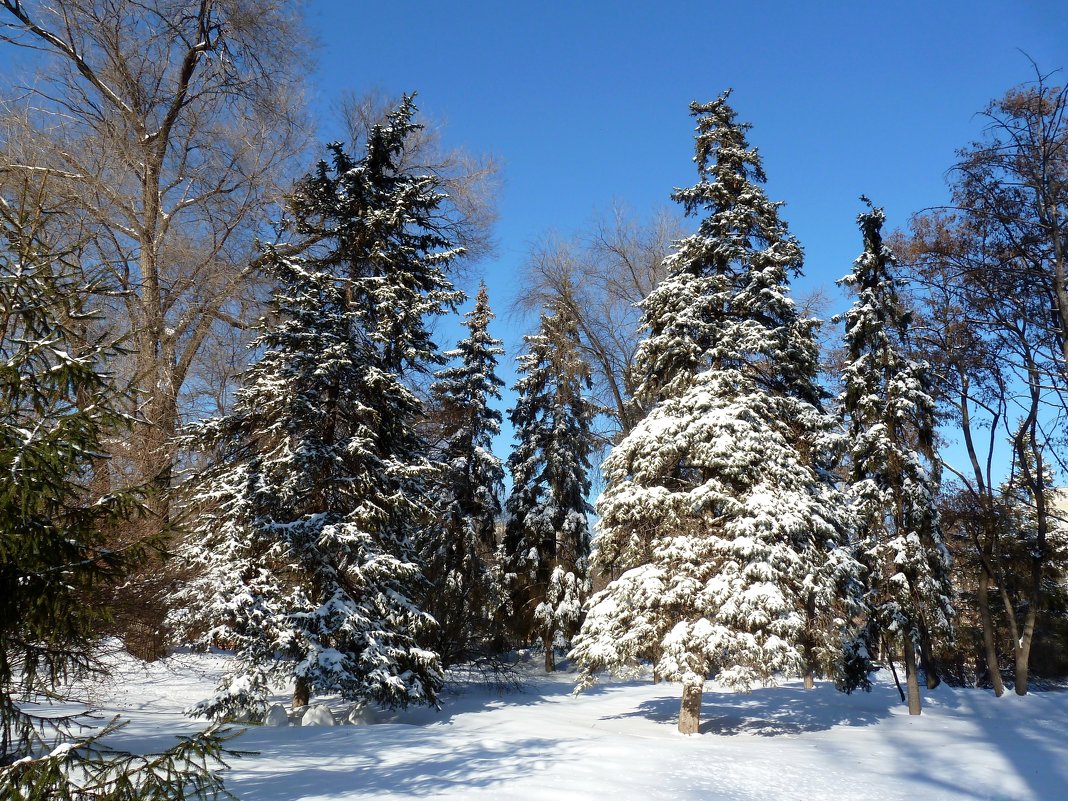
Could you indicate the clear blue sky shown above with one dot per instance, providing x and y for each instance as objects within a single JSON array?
[{"x": 585, "y": 103}]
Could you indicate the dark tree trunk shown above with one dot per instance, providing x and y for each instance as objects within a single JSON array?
[
  {"x": 1023, "y": 651},
  {"x": 930, "y": 666},
  {"x": 889, "y": 655},
  {"x": 301, "y": 692},
  {"x": 912, "y": 681}
]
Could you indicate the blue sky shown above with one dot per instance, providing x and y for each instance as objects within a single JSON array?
[{"x": 585, "y": 103}]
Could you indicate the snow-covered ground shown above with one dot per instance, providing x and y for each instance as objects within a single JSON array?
[{"x": 618, "y": 741}]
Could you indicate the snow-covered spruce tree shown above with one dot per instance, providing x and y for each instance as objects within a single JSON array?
[
  {"x": 718, "y": 509},
  {"x": 545, "y": 553},
  {"x": 459, "y": 550},
  {"x": 305, "y": 527},
  {"x": 58, "y": 408},
  {"x": 894, "y": 483}
]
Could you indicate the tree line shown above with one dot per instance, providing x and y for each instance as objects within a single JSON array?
[{"x": 227, "y": 420}]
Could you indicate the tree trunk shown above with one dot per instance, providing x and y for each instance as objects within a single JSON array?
[
  {"x": 1027, "y": 444},
  {"x": 154, "y": 454},
  {"x": 550, "y": 654},
  {"x": 989, "y": 640},
  {"x": 690, "y": 712},
  {"x": 889, "y": 655},
  {"x": 912, "y": 681},
  {"x": 1023, "y": 651},
  {"x": 1021, "y": 671},
  {"x": 930, "y": 667},
  {"x": 301, "y": 693},
  {"x": 806, "y": 642}
]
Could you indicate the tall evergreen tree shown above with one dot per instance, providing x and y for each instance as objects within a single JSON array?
[
  {"x": 321, "y": 481},
  {"x": 547, "y": 540},
  {"x": 718, "y": 509},
  {"x": 58, "y": 408},
  {"x": 894, "y": 481},
  {"x": 459, "y": 550}
]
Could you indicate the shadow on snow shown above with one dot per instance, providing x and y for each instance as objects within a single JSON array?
[
  {"x": 394, "y": 762},
  {"x": 775, "y": 711}
]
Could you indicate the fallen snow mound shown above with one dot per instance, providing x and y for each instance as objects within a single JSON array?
[{"x": 317, "y": 715}]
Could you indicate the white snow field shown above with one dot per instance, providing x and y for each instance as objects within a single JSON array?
[{"x": 618, "y": 741}]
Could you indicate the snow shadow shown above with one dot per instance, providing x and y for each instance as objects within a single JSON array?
[
  {"x": 416, "y": 766},
  {"x": 532, "y": 690},
  {"x": 475, "y": 700},
  {"x": 1023, "y": 732},
  {"x": 776, "y": 711}
]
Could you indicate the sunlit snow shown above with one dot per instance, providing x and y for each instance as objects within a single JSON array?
[{"x": 619, "y": 741}]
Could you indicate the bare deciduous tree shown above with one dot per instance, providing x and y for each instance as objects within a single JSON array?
[
  {"x": 165, "y": 131},
  {"x": 598, "y": 277},
  {"x": 997, "y": 303},
  {"x": 169, "y": 128}
]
